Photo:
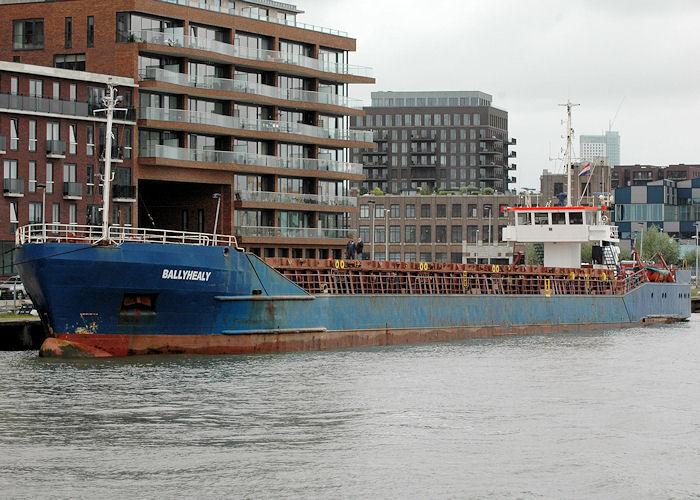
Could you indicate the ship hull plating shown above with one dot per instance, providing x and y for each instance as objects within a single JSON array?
[{"x": 142, "y": 298}]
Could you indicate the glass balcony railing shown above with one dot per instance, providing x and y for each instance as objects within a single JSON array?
[
  {"x": 186, "y": 116},
  {"x": 55, "y": 148},
  {"x": 72, "y": 189},
  {"x": 232, "y": 157},
  {"x": 174, "y": 39},
  {"x": 55, "y": 106},
  {"x": 210, "y": 82},
  {"x": 291, "y": 232},
  {"x": 13, "y": 186},
  {"x": 314, "y": 199},
  {"x": 225, "y": 8}
]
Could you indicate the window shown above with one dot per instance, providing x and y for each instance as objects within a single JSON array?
[
  {"x": 13, "y": 216},
  {"x": 36, "y": 88},
  {"x": 91, "y": 31},
  {"x": 471, "y": 211},
  {"x": 441, "y": 234},
  {"x": 90, "y": 181},
  {"x": 379, "y": 210},
  {"x": 28, "y": 34},
  {"x": 425, "y": 210},
  {"x": 69, "y": 32},
  {"x": 32, "y": 176},
  {"x": 14, "y": 138},
  {"x": 35, "y": 213},
  {"x": 73, "y": 139},
  {"x": 10, "y": 169},
  {"x": 503, "y": 210},
  {"x": 200, "y": 220},
  {"x": 456, "y": 258},
  {"x": 395, "y": 256},
  {"x": 90, "y": 140},
  {"x": 379, "y": 235},
  {"x": 185, "y": 220},
  {"x": 395, "y": 211},
  {"x": 49, "y": 178},
  {"x": 52, "y": 131},
  {"x": 56, "y": 213},
  {"x": 72, "y": 214},
  {"x": 56, "y": 91},
  {"x": 378, "y": 255},
  {"x": 426, "y": 257},
  {"x": 425, "y": 234},
  {"x": 440, "y": 257},
  {"x": 410, "y": 210},
  {"x": 364, "y": 233},
  {"x": 487, "y": 210},
  {"x": 14, "y": 85},
  {"x": 364, "y": 211},
  {"x": 69, "y": 61},
  {"x": 486, "y": 234},
  {"x": 410, "y": 234},
  {"x": 73, "y": 92},
  {"x": 409, "y": 257},
  {"x": 456, "y": 234},
  {"x": 442, "y": 210},
  {"x": 394, "y": 234},
  {"x": 457, "y": 210},
  {"x": 472, "y": 234}
]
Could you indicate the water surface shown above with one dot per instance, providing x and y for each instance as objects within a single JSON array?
[{"x": 601, "y": 414}]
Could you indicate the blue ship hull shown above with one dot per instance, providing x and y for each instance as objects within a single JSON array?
[{"x": 218, "y": 300}]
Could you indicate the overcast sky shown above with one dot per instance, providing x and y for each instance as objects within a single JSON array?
[{"x": 533, "y": 55}]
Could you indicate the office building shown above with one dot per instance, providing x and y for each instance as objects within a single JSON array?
[
  {"x": 242, "y": 109},
  {"x": 640, "y": 175},
  {"x": 436, "y": 140},
  {"x": 436, "y": 228},
  {"x": 601, "y": 146}
]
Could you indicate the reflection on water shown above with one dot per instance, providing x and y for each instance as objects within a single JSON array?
[{"x": 604, "y": 414}]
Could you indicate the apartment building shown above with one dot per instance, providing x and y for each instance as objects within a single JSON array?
[
  {"x": 242, "y": 111},
  {"x": 640, "y": 175},
  {"x": 436, "y": 228},
  {"x": 52, "y": 145},
  {"x": 440, "y": 140},
  {"x": 584, "y": 189}
]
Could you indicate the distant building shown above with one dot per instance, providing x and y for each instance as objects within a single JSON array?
[
  {"x": 639, "y": 175},
  {"x": 440, "y": 140},
  {"x": 586, "y": 186},
  {"x": 601, "y": 146},
  {"x": 672, "y": 206},
  {"x": 435, "y": 228}
]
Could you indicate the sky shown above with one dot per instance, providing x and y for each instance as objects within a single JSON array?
[{"x": 632, "y": 64}]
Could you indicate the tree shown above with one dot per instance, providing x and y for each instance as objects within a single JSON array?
[
  {"x": 488, "y": 190},
  {"x": 531, "y": 256},
  {"x": 363, "y": 190},
  {"x": 655, "y": 242},
  {"x": 462, "y": 190},
  {"x": 377, "y": 192},
  {"x": 689, "y": 257},
  {"x": 586, "y": 252},
  {"x": 625, "y": 254},
  {"x": 425, "y": 190}
]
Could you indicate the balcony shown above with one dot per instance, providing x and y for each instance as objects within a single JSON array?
[
  {"x": 512, "y": 180},
  {"x": 55, "y": 149},
  {"x": 257, "y": 89},
  {"x": 512, "y": 167},
  {"x": 236, "y": 158},
  {"x": 13, "y": 188},
  {"x": 3, "y": 144},
  {"x": 512, "y": 142},
  {"x": 232, "y": 122},
  {"x": 123, "y": 194},
  {"x": 72, "y": 190},
  {"x": 291, "y": 232},
  {"x": 54, "y": 106},
  {"x": 512, "y": 154},
  {"x": 172, "y": 39},
  {"x": 199, "y": 4},
  {"x": 297, "y": 198}
]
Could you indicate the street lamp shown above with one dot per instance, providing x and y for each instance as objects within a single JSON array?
[
  {"x": 43, "y": 209},
  {"x": 217, "y": 197}
]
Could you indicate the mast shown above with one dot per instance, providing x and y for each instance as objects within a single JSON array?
[
  {"x": 569, "y": 136},
  {"x": 109, "y": 101}
]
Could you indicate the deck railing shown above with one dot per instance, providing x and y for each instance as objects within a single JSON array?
[{"x": 73, "y": 233}]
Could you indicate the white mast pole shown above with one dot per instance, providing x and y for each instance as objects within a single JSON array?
[
  {"x": 109, "y": 101},
  {"x": 569, "y": 134}
]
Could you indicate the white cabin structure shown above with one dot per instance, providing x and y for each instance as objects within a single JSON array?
[{"x": 561, "y": 230}]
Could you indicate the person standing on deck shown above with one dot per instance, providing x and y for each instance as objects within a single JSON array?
[
  {"x": 350, "y": 249},
  {"x": 359, "y": 247}
]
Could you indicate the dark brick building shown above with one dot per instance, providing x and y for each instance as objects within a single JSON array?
[{"x": 234, "y": 99}]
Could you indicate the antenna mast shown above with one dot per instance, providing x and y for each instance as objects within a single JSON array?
[
  {"x": 569, "y": 135},
  {"x": 109, "y": 101}
]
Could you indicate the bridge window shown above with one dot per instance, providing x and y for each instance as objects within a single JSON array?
[
  {"x": 558, "y": 218},
  {"x": 541, "y": 218},
  {"x": 575, "y": 218},
  {"x": 524, "y": 219}
]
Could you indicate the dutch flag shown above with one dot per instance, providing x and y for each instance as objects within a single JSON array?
[{"x": 586, "y": 170}]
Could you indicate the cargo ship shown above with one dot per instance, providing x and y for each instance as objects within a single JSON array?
[{"x": 117, "y": 291}]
